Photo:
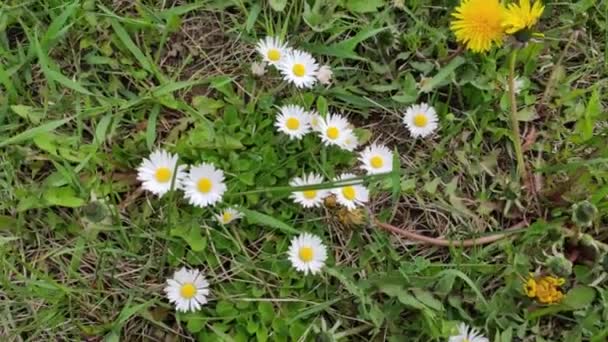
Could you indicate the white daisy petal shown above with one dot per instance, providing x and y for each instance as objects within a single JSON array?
[
  {"x": 307, "y": 253},
  {"x": 421, "y": 120},
  {"x": 293, "y": 121},
  {"x": 228, "y": 215},
  {"x": 350, "y": 142},
  {"x": 315, "y": 121},
  {"x": 308, "y": 198},
  {"x": 187, "y": 289},
  {"x": 466, "y": 334},
  {"x": 299, "y": 68},
  {"x": 376, "y": 159},
  {"x": 157, "y": 172},
  {"x": 204, "y": 185},
  {"x": 351, "y": 195},
  {"x": 272, "y": 50},
  {"x": 334, "y": 130}
]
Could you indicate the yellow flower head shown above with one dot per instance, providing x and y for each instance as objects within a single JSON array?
[
  {"x": 478, "y": 24},
  {"x": 544, "y": 289},
  {"x": 530, "y": 288},
  {"x": 522, "y": 16}
]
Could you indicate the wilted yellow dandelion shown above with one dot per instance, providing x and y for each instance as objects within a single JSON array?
[
  {"x": 544, "y": 289},
  {"x": 478, "y": 24}
]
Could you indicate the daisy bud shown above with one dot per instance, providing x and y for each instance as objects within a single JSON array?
[
  {"x": 324, "y": 74},
  {"x": 258, "y": 68},
  {"x": 583, "y": 213},
  {"x": 559, "y": 265}
]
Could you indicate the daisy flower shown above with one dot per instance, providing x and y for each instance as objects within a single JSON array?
[
  {"x": 421, "y": 120},
  {"x": 272, "y": 50},
  {"x": 351, "y": 142},
  {"x": 188, "y": 290},
  {"x": 308, "y": 198},
  {"x": 228, "y": 215},
  {"x": 522, "y": 17},
  {"x": 376, "y": 159},
  {"x": 293, "y": 121},
  {"x": 478, "y": 24},
  {"x": 351, "y": 195},
  {"x": 315, "y": 121},
  {"x": 299, "y": 68},
  {"x": 204, "y": 185},
  {"x": 307, "y": 253},
  {"x": 334, "y": 129},
  {"x": 466, "y": 334},
  {"x": 156, "y": 172}
]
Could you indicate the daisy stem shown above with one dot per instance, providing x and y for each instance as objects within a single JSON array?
[{"x": 521, "y": 166}]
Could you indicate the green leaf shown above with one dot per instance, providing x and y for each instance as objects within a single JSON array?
[
  {"x": 151, "y": 129},
  {"x": 266, "y": 311},
  {"x": 63, "y": 197},
  {"x": 29, "y": 113},
  {"x": 277, "y": 5},
  {"x": 396, "y": 176},
  {"x": 427, "y": 299},
  {"x": 444, "y": 73},
  {"x": 59, "y": 77},
  {"x": 195, "y": 240},
  {"x": 130, "y": 45},
  {"x": 33, "y": 132},
  {"x": 255, "y": 217},
  {"x": 252, "y": 17},
  {"x": 579, "y": 297},
  {"x": 364, "y": 6}
]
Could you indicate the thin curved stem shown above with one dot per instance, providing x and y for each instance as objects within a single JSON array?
[
  {"x": 456, "y": 243},
  {"x": 521, "y": 165}
]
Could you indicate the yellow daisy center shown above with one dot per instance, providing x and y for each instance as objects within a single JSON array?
[
  {"x": 310, "y": 194},
  {"x": 187, "y": 291},
  {"x": 421, "y": 120},
  {"x": 226, "y": 217},
  {"x": 299, "y": 69},
  {"x": 274, "y": 55},
  {"x": 376, "y": 162},
  {"x": 293, "y": 124},
  {"x": 162, "y": 175},
  {"x": 204, "y": 185},
  {"x": 349, "y": 192},
  {"x": 306, "y": 254},
  {"x": 478, "y": 24},
  {"x": 332, "y": 133},
  {"x": 314, "y": 122}
]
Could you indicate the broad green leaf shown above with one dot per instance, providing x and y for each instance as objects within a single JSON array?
[
  {"x": 252, "y": 17},
  {"x": 579, "y": 297},
  {"x": 427, "y": 299},
  {"x": 277, "y": 5},
  {"x": 63, "y": 197},
  {"x": 444, "y": 73},
  {"x": 29, "y": 113}
]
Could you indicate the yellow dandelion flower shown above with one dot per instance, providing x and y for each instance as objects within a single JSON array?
[
  {"x": 544, "y": 289},
  {"x": 530, "y": 288},
  {"x": 478, "y": 24},
  {"x": 522, "y": 16}
]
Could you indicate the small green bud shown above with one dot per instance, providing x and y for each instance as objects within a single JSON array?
[
  {"x": 583, "y": 213},
  {"x": 95, "y": 211},
  {"x": 523, "y": 36},
  {"x": 560, "y": 265}
]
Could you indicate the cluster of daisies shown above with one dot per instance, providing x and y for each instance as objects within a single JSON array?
[{"x": 297, "y": 67}]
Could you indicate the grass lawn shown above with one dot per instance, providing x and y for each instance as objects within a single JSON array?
[{"x": 496, "y": 218}]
